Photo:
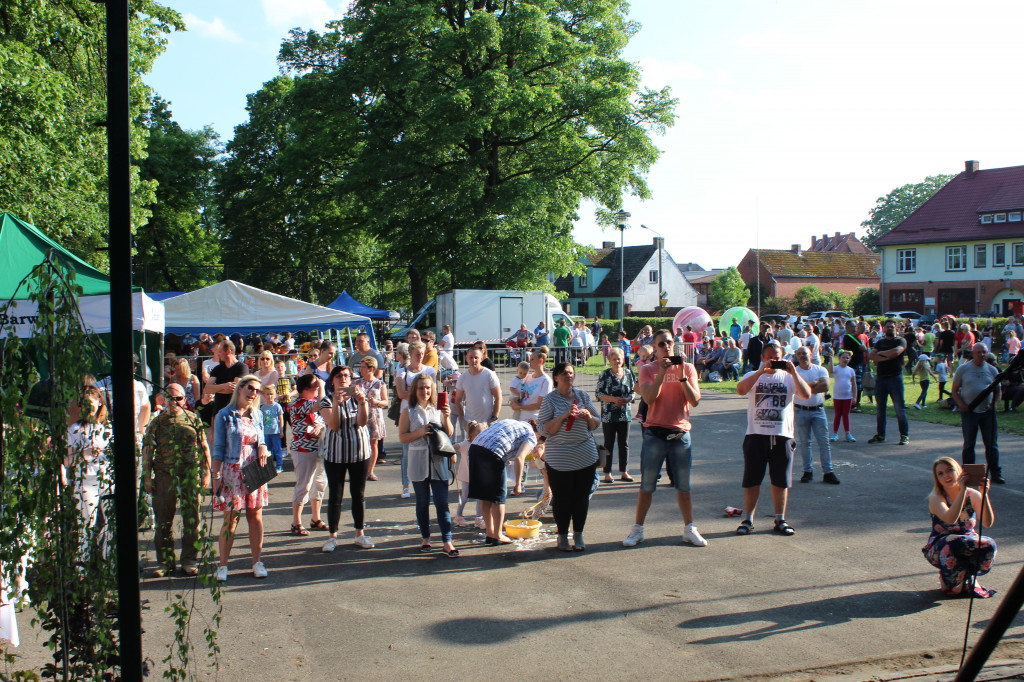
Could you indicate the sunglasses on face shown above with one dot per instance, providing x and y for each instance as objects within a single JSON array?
[
  {"x": 176, "y": 398},
  {"x": 663, "y": 344},
  {"x": 252, "y": 388}
]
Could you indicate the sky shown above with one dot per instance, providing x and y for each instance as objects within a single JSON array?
[{"x": 794, "y": 117}]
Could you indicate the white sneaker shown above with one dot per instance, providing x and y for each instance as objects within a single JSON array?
[
  {"x": 222, "y": 574},
  {"x": 636, "y": 534},
  {"x": 480, "y": 523},
  {"x": 259, "y": 570},
  {"x": 691, "y": 535},
  {"x": 460, "y": 522},
  {"x": 330, "y": 545},
  {"x": 406, "y": 493},
  {"x": 364, "y": 542}
]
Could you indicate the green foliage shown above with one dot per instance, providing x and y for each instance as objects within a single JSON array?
[
  {"x": 867, "y": 301},
  {"x": 758, "y": 295},
  {"x": 810, "y": 298},
  {"x": 53, "y": 157},
  {"x": 633, "y": 325},
  {"x": 837, "y": 300},
  {"x": 777, "y": 305},
  {"x": 897, "y": 205},
  {"x": 183, "y": 229},
  {"x": 463, "y": 157},
  {"x": 728, "y": 290}
]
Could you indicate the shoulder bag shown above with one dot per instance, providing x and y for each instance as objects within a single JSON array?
[{"x": 439, "y": 442}]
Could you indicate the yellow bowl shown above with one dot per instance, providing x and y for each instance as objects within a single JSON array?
[{"x": 523, "y": 528}]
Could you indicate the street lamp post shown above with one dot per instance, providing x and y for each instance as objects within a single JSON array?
[
  {"x": 622, "y": 216},
  {"x": 662, "y": 298}
]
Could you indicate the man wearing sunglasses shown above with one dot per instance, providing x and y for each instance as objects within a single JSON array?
[{"x": 175, "y": 467}]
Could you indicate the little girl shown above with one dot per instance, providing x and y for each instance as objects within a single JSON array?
[
  {"x": 844, "y": 390},
  {"x": 473, "y": 429},
  {"x": 606, "y": 346},
  {"x": 516, "y": 388},
  {"x": 922, "y": 372},
  {"x": 942, "y": 370}
]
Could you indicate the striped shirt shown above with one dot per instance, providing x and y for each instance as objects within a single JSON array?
[
  {"x": 573, "y": 449},
  {"x": 351, "y": 442},
  {"x": 504, "y": 438}
]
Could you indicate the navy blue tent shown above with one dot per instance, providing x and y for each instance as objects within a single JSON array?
[{"x": 346, "y": 303}]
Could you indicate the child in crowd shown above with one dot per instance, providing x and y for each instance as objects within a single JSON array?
[
  {"x": 517, "y": 386},
  {"x": 291, "y": 365},
  {"x": 606, "y": 346},
  {"x": 473, "y": 429},
  {"x": 942, "y": 372},
  {"x": 922, "y": 373},
  {"x": 844, "y": 391},
  {"x": 285, "y": 384},
  {"x": 273, "y": 424}
]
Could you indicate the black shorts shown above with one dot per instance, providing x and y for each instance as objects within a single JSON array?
[
  {"x": 486, "y": 476},
  {"x": 772, "y": 452}
]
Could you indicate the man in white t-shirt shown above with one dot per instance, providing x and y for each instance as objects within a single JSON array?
[
  {"x": 812, "y": 343},
  {"x": 477, "y": 392},
  {"x": 784, "y": 334},
  {"x": 810, "y": 419},
  {"x": 447, "y": 342},
  {"x": 769, "y": 440}
]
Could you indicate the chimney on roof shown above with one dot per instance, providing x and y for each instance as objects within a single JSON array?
[
  {"x": 971, "y": 167},
  {"x": 607, "y": 245},
  {"x": 838, "y": 235},
  {"x": 795, "y": 249},
  {"x": 814, "y": 242},
  {"x": 659, "y": 242}
]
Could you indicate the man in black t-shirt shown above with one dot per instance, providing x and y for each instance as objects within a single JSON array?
[
  {"x": 222, "y": 380},
  {"x": 945, "y": 341},
  {"x": 856, "y": 349},
  {"x": 888, "y": 357}
]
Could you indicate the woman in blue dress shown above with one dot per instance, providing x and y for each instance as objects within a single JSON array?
[{"x": 954, "y": 546}]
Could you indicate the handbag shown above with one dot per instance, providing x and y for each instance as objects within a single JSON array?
[
  {"x": 395, "y": 410},
  {"x": 439, "y": 442},
  {"x": 255, "y": 476}
]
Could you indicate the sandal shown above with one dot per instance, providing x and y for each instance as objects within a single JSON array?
[
  {"x": 607, "y": 479},
  {"x": 626, "y": 477},
  {"x": 453, "y": 553},
  {"x": 426, "y": 548},
  {"x": 783, "y": 528},
  {"x": 297, "y": 529},
  {"x": 318, "y": 525},
  {"x": 371, "y": 477},
  {"x": 745, "y": 527}
]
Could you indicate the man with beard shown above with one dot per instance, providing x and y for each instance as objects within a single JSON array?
[{"x": 888, "y": 356}]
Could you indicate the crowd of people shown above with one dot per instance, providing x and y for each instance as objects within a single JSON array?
[{"x": 330, "y": 418}]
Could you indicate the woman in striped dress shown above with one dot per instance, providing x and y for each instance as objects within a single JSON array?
[
  {"x": 346, "y": 451},
  {"x": 568, "y": 416}
]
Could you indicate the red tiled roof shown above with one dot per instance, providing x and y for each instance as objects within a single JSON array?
[{"x": 951, "y": 215}]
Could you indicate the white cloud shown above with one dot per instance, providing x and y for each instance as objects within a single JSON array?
[
  {"x": 213, "y": 29},
  {"x": 287, "y": 14}
]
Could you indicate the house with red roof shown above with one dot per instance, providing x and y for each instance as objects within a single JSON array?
[
  {"x": 782, "y": 272},
  {"x": 962, "y": 251}
]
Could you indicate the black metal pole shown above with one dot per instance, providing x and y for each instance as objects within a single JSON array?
[
  {"x": 120, "y": 250},
  {"x": 1004, "y": 615}
]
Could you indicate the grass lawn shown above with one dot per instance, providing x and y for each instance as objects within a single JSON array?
[{"x": 1008, "y": 422}]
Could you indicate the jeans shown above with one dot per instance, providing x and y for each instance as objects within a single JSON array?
[
  {"x": 890, "y": 387},
  {"x": 677, "y": 454},
  {"x": 971, "y": 423},
  {"x": 616, "y": 431},
  {"x": 814, "y": 422},
  {"x": 274, "y": 445},
  {"x": 423, "y": 490},
  {"x": 858, "y": 372},
  {"x": 570, "y": 492},
  {"x": 405, "y": 465}
]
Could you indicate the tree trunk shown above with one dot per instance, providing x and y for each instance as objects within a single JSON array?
[{"x": 418, "y": 286}]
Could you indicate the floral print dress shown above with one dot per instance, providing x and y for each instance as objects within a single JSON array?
[
  {"x": 956, "y": 548},
  {"x": 236, "y": 496},
  {"x": 374, "y": 389}
]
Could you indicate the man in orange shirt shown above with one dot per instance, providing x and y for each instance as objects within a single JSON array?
[{"x": 669, "y": 387}]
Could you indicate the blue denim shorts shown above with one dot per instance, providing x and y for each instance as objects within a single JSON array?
[{"x": 656, "y": 451}]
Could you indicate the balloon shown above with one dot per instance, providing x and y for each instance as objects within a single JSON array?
[
  {"x": 739, "y": 314},
  {"x": 694, "y": 316}
]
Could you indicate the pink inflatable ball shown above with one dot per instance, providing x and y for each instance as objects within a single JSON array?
[{"x": 694, "y": 316}]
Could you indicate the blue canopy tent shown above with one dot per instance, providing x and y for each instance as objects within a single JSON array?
[{"x": 346, "y": 303}]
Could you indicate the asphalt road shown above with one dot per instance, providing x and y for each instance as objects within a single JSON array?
[{"x": 849, "y": 594}]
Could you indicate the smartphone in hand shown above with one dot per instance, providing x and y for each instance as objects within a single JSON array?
[
  {"x": 442, "y": 399},
  {"x": 779, "y": 364},
  {"x": 676, "y": 359}
]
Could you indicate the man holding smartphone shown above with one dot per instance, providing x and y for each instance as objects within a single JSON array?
[
  {"x": 669, "y": 387},
  {"x": 770, "y": 429},
  {"x": 971, "y": 379}
]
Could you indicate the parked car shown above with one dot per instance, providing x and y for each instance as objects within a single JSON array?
[
  {"x": 903, "y": 314},
  {"x": 775, "y": 318},
  {"x": 821, "y": 314}
]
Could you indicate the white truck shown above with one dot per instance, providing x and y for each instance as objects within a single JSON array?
[{"x": 486, "y": 315}]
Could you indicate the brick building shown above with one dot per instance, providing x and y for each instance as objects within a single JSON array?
[{"x": 782, "y": 272}]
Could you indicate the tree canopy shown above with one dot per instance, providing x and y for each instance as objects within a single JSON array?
[
  {"x": 457, "y": 139},
  {"x": 897, "y": 205},
  {"x": 728, "y": 290}
]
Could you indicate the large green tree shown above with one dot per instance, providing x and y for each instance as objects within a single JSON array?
[
  {"x": 728, "y": 290},
  {"x": 462, "y": 136},
  {"x": 52, "y": 105},
  {"x": 179, "y": 250},
  {"x": 897, "y": 205}
]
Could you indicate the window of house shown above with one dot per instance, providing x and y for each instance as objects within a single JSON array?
[
  {"x": 1018, "y": 253},
  {"x": 1013, "y": 217},
  {"x": 613, "y": 310},
  {"x": 980, "y": 255},
  {"x": 998, "y": 255},
  {"x": 583, "y": 281},
  {"x": 599, "y": 308},
  {"x": 652, "y": 276},
  {"x": 999, "y": 218},
  {"x": 986, "y": 219},
  {"x": 956, "y": 258},
  {"x": 906, "y": 260},
  {"x": 583, "y": 308}
]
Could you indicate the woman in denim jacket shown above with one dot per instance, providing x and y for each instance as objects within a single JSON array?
[{"x": 238, "y": 440}]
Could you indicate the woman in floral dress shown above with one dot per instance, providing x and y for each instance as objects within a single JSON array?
[
  {"x": 376, "y": 393},
  {"x": 615, "y": 393},
  {"x": 238, "y": 440},
  {"x": 954, "y": 547}
]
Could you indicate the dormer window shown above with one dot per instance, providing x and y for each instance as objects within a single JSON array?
[
  {"x": 999, "y": 218},
  {"x": 986, "y": 219},
  {"x": 1013, "y": 217},
  {"x": 583, "y": 281}
]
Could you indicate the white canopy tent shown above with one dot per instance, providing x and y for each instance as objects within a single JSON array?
[
  {"x": 230, "y": 307},
  {"x": 147, "y": 315}
]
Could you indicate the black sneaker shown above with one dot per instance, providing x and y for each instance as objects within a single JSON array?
[
  {"x": 807, "y": 477},
  {"x": 830, "y": 478},
  {"x": 876, "y": 439}
]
